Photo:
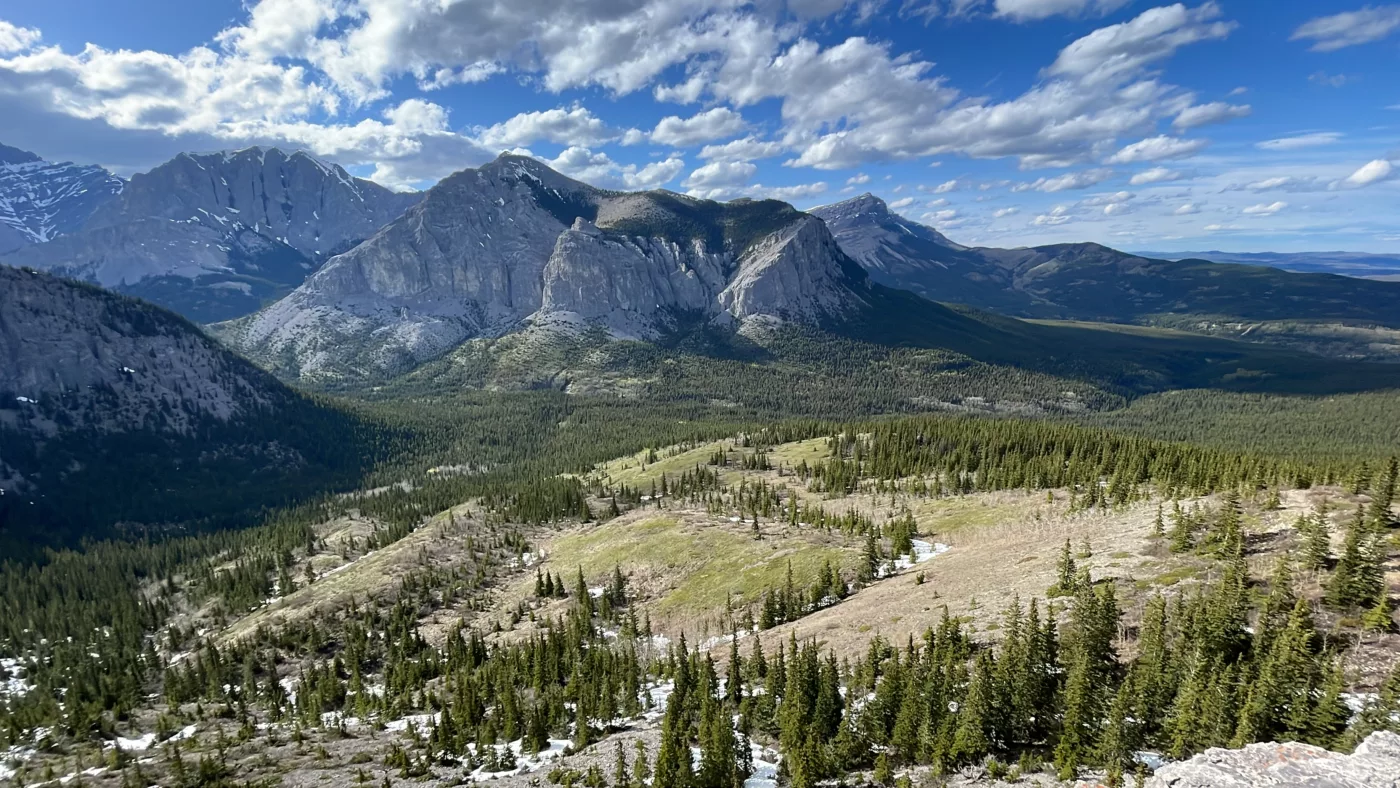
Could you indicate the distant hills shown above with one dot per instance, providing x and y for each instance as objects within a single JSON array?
[
  {"x": 1087, "y": 281},
  {"x": 1359, "y": 264}
]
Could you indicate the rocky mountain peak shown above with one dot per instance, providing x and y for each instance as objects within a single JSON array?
[
  {"x": 865, "y": 205},
  {"x": 215, "y": 235},
  {"x": 514, "y": 244},
  {"x": 9, "y": 155},
  {"x": 41, "y": 200}
]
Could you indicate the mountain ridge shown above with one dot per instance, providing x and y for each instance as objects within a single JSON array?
[
  {"x": 514, "y": 243},
  {"x": 116, "y": 411},
  {"x": 1091, "y": 281},
  {"x": 216, "y": 235}
]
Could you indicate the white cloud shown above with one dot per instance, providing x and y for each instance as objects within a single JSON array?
[
  {"x": 712, "y": 124},
  {"x": 16, "y": 39},
  {"x": 1126, "y": 48},
  {"x": 1002, "y": 213},
  {"x": 1311, "y": 140},
  {"x": 1066, "y": 182},
  {"x": 746, "y": 149},
  {"x": 1116, "y": 209},
  {"x": 576, "y": 126},
  {"x": 802, "y": 191},
  {"x": 1057, "y": 216},
  {"x": 720, "y": 174},
  {"x": 1270, "y": 184},
  {"x": 1329, "y": 80},
  {"x": 1022, "y": 10},
  {"x": 1156, "y": 149},
  {"x": 654, "y": 175},
  {"x": 1369, "y": 173},
  {"x": 1206, "y": 114},
  {"x": 1186, "y": 209},
  {"x": 1350, "y": 28},
  {"x": 1265, "y": 209},
  {"x": 946, "y": 186},
  {"x": 858, "y": 179},
  {"x": 903, "y": 202},
  {"x": 1154, "y": 175},
  {"x": 599, "y": 169}
]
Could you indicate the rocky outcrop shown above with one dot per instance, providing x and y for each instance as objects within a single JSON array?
[
  {"x": 41, "y": 200},
  {"x": 1375, "y": 764},
  {"x": 514, "y": 243},
  {"x": 216, "y": 235}
]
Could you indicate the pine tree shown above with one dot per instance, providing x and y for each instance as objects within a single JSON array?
[
  {"x": 1317, "y": 542},
  {"x": 1377, "y": 618},
  {"x": 1065, "y": 571}
]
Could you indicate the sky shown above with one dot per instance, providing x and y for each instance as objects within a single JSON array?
[{"x": 1238, "y": 125}]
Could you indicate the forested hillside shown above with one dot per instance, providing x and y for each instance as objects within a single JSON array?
[{"x": 116, "y": 415}]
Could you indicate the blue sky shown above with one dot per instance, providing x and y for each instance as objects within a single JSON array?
[{"x": 1224, "y": 124}]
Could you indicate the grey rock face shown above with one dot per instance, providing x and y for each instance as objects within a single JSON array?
[
  {"x": 75, "y": 357},
  {"x": 513, "y": 243},
  {"x": 40, "y": 200},
  {"x": 1375, "y": 764},
  {"x": 467, "y": 260},
  {"x": 216, "y": 235},
  {"x": 627, "y": 283},
  {"x": 876, "y": 237}
]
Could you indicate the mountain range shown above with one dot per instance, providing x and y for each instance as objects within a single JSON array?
[
  {"x": 212, "y": 236},
  {"x": 513, "y": 275},
  {"x": 1088, "y": 281}
]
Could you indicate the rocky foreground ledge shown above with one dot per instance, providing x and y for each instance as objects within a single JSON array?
[{"x": 1375, "y": 764}]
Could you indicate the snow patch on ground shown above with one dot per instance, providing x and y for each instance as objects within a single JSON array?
[
  {"x": 14, "y": 685},
  {"x": 138, "y": 744},
  {"x": 923, "y": 551}
]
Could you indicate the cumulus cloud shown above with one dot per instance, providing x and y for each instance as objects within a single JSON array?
[
  {"x": 16, "y": 39},
  {"x": 1186, "y": 209},
  {"x": 858, "y": 179},
  {"x": 1156, "y": 149},
  {"x": 599, "y": 169},
  {"x": 1368, "y": 174},
  {"x": 1154, "y": 175},
  {"x": 903, "y": 202},
  {"x": 720, "y": 174},
  {"x": 947, "y": 186},
  {"x": 1126, "y": 48},
  {"x": 1350, "y": 28},
  {"x": 1311, "y": 140},
  {"x": 1058, "y": 215},
  {"x": 745, "y": 149},
  {"x": 1265, "y": 209},
  {"x": 573, "y": 126},
  {"x": 1066, "y": 182},
  {"x": 1021, "y": 10},
  {"x": 712, "y": 124},
  {"x": 841, "y": 105},
  {"x": 1206, "y": 114}
]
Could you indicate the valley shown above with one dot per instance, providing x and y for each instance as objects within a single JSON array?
[
  {"x": 522, "y": 480},
  {"x": 735, "y": 546}
]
